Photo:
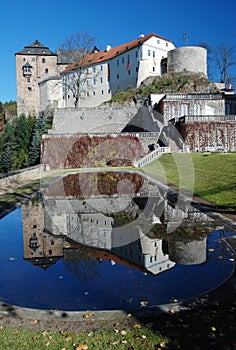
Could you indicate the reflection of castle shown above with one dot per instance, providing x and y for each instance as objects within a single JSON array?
[
  {"x": 120, "y": 237},
  {"x": 144, "y": 251},
  {"x": 40, "y": 248}
]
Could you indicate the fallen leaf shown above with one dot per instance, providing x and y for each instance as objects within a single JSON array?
[
  {"x": 113, "y": 343},
  {"x": 81, "y": 347},
  {"x": 34, "y": 321},
  {"x": 44, "y": 333},
  {"x": 143, "y": 303},
  {"x": 87, "y": 315},
  {"x": 137, "y": 326},
  {"x": 16, "y": 332},
  {"x": 123, "y": 332}
]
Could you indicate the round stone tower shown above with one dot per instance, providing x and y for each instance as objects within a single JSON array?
[{"x": 188, "y": 58}]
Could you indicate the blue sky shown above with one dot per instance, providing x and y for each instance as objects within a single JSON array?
[{"x": 113, "y": 23}]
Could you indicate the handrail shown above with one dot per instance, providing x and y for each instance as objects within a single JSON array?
[{"x": 148, "y": 158}]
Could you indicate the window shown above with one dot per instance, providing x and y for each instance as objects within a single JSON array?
[
  {"x": 158, "y": 41},
  {"x": 102, "y": 92},
  {"x": 118, "y": 62},
  {"x": 118, "y": 76},
  {"x": 101, "y": 80},
  {"x": 101, "y": 68},
  {"x": 166, "y": 44},
  {"x": 43, "y": 60},
  {"x": 136, "y": 54},
  {"x": 153, "y": 69},
  {"x": 29, "y": 89},
  {"x": 129, "y": 72},
  {"x": 123, "y": 60},
  {"x": 149, "y": 52},
  {"x": 153, "y": 54},
  {"x": 28, "y": 80},
  {"x": 94, "y": 93},
  {"x": 46, "y": 70},
  {"x": 27, "y": 69},
  {"x": 94, "y": 81},
  {"x": 94, "y": 69}
]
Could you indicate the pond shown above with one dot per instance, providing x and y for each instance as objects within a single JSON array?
[{"x": 108, "y": 240}]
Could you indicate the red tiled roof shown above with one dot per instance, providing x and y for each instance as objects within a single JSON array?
[{"x": 113, "y": 52}]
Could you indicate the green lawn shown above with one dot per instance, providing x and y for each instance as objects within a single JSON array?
[{"x": 214, "y": 174}]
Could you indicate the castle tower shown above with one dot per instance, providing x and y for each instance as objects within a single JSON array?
[{"x": 33, "y": 64}]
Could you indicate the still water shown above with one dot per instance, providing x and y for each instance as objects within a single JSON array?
[{"x": 108, "y": 241}]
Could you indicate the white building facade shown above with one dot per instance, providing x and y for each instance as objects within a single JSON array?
[{"x": 115, "y": 69}]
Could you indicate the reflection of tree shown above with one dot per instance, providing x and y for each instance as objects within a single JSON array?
[{"x": 83, "y": 267}]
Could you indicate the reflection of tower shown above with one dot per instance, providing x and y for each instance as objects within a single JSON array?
[
  {"x": 40, "y": 248},
  {"x": 188, "y": 252}
]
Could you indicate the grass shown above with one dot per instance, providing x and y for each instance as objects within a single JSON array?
[
  {"x": 214, "y": 174},
  {"x": 138, "y": 338},
  {"x": 211, "y": 327}
]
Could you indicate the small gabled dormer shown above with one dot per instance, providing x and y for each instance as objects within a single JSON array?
[{"x": 27, "y": 70}]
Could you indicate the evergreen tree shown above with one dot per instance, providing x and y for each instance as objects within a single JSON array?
[
  {"x": 35, "y": 147},
  {"x": 9, "y": 148},
  {"x": 34, "y": 151},
  {"x": 7, "y": 159}
]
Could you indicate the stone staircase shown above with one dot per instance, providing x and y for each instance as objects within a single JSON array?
[{"x": 150, "y": 157}]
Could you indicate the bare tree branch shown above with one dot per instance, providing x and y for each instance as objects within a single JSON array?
[
  {"x": 77, "y": 47},
  {"x": 224, "y": 59}
]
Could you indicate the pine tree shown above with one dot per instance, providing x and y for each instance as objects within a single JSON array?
[
  {"x": 35, "y": 147},
  {"x": 7, "y": 160}
]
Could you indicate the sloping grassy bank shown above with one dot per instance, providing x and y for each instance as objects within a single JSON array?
[{"x": 214, "y": 175}]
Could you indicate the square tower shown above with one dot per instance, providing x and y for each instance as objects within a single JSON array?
[{"x": 33, "y": 64}]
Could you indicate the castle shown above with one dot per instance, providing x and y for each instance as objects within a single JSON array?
[
  {"x": 45, "y": 83},
  {"x": 43, "y": 77}
]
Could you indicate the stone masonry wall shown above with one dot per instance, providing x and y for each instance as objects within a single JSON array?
[{"x": 81, "y": 151}]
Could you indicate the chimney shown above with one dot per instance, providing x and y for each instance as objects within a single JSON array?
[{"x": 108, "y": 48}]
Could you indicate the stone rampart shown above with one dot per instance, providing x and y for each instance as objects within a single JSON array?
[
  {"x": 85, "y": 151},
  {"x": 20, "y": 175},
  {"x": 93, "y": 120}
]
